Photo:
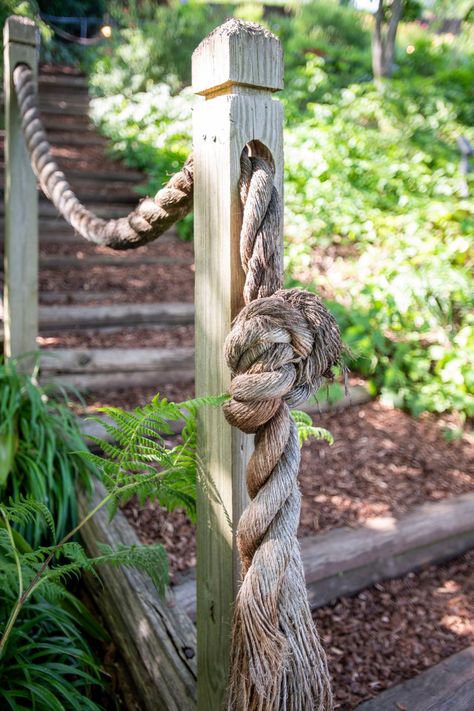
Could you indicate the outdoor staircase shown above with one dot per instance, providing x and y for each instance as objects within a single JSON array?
[{"x": 67, "y": 304}]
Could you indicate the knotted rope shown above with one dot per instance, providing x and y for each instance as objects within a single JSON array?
[
  {"x": 282, "y": 344},
  {"x": 147, "y": 221}
]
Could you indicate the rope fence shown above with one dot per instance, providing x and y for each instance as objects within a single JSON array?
[
  {"x": 144, "y": 224},
  {"x": 282, "y": 345}
]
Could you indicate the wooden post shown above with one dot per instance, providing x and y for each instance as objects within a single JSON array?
[
  {"x": 20, "y": 38},
  {"x": 236, "y": 68}
]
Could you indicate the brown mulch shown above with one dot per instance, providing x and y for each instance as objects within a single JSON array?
[
  {"x": 174, "y": 248},
  {"x": 397, "y": 629},
  {"x": 142, "y": 284},
  {"x": 172, "y": 337},
  {"x": 383, "y": 462}
]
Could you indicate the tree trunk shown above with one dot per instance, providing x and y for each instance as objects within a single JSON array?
[{"x": 383, "y": 42}]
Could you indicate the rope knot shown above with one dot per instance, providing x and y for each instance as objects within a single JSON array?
[{"x": 280, "y": 348}]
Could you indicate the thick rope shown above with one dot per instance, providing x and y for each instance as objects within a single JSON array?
[
  {"x": 282, "y": 345},
  {"x": 147, "y": 221}
]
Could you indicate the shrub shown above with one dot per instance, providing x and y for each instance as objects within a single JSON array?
[{"x": 371, "y": 175}]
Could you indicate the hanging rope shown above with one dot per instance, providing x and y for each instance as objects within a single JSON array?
[
  {"x": 149, "y": 219},
  {"x": 282, "y": 345}
]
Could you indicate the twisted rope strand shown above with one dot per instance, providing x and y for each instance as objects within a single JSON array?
[
  {"x": 282, "y": 344},
  {"x": 144, "y": 224}
]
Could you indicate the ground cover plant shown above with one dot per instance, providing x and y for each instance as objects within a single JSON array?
[{"x": 375, "y": 218}]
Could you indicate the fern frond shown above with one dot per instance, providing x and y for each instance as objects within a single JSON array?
[
  {"x": 25, "y": 511},
  {"x": 151, "y": 559},
  {"x": 306, "y": 429}
]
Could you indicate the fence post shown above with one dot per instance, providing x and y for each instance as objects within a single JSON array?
[
  {"x": 235, "y": 68},
  {"x": 20, "y": 40}
]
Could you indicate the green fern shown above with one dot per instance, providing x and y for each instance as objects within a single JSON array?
[
  {"x": 139, "y": 462},
  {"x": 306, "y": 429}
]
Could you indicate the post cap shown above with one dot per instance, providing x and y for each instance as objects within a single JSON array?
[
  {"x": 21, "y": 30},
  {"x": 241, "y": 53}
]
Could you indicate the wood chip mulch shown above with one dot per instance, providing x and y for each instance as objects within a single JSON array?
[
  {"x": 170, "y": 337},
  {"x": 138, "y": 284},
  {"x": 383, "y": 462},
  {"x": 396, "y": 629}
]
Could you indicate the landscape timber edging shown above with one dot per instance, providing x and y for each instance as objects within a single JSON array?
[
  {"x": 156, "y": 639},
  {"x": 344, "y": 561}
]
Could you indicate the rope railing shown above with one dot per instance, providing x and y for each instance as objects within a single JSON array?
[
  {"x": 283, "y": 343},
  {"x": 144, "y": 224}
]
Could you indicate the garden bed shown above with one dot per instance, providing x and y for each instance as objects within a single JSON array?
[
  {"x": 383, "y": 463},
  {"x": 396, "y": 629}
]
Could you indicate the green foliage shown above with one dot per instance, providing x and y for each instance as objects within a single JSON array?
[
  {"x": 402, "y": 293},
  {"x": 39, "y": 438},
  {"x": 150, "y": 131},
  {"x": 155, "y": 45},
  {"x": 46, "y": 661},
  {"x": 371, "y": 190},
  {"x": 306, "y": 429},
  {"x": 140, "y": 462}
]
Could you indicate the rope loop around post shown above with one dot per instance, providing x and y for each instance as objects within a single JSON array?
[
  {"x": 144, "y": 224},
  {"x": 282, "y": 345}
]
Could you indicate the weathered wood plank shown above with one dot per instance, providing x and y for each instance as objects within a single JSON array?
[
  {"x": 56, "y": 231},
  {"x": 47, "y": 210},
  {"x": 63, "y": 81},
  {"x": 345, "y": 560},
  {"x": 109, "y": 360},
  {"x": 74, "y": 317},
  {"x": 223, "y": 125},
  {"x": 92, "y": 382},
  {"x": 21, "y": 202},
  {"x": 104, "y": 260},
  {"x": 448, "y": 686},
  {"x": 156, "y": 639}
]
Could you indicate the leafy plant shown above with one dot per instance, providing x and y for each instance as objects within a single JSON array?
[
  {"x": 38, "y": 437},
  {"x": 374, "y": 216},
  {"x": 46, "y": 661},
  {"x": 138, "y": 460},
  {"x": 306, "y": 429}
]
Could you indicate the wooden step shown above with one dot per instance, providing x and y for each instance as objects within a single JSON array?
[
  {"x": 75, "y": 141},
  {"x": 73, "y": 317},
  {"x": 448, "y": 686},
  {"x": 56, "y": 125},
  {"x": 96, "y": 368},
  {"x": 77, "y": 174},
  {"x": 105, "y": 260},
  {"x": 62, "y": 80},
  {"x": 71, "y": 298},
  {"x": 57, "y": 233},
  {"x": 109, "y": 211},
  {"x": 66, "y": 108},
  {"x": 345, "y": 560},
  {"x": 103, "y": 195},
  {"x": 47, "y": 101}
]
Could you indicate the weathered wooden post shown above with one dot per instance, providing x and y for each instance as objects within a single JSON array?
[
  {"x": 236, "y": 68},
  {"x": 20, "y": 38}
]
